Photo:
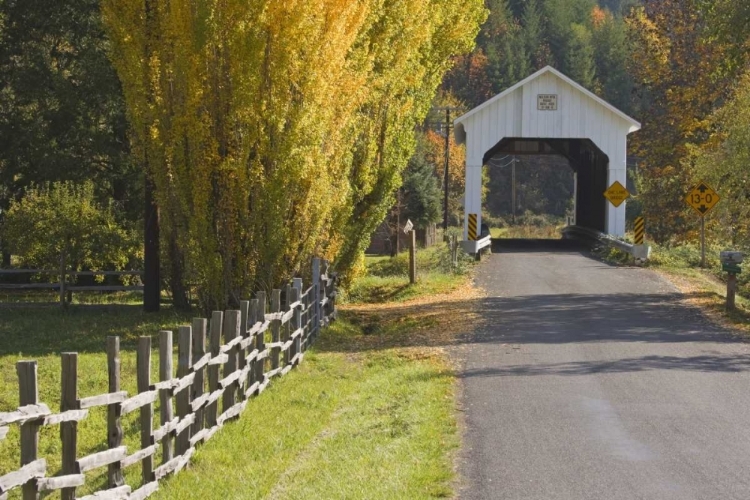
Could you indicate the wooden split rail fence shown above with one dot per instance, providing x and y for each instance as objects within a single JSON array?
[{"x": 246, "y": 349}]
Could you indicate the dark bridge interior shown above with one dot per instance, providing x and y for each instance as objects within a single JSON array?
[{"x": 587, "y": 160}]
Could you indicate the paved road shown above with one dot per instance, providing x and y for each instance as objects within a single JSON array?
[{"x": 595, "y": 382}]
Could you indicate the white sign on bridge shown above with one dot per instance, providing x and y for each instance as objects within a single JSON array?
[{"x": 546, "y": 102}]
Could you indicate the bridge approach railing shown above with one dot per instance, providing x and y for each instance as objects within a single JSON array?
[{"x": 581, "y": 232}]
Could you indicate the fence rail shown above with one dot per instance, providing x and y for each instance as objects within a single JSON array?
[
  {"x": 246, "y": 349},
  {"x": 64, "y": 287}
]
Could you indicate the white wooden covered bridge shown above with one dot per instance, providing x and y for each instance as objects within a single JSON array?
[{"x": 548, "y": 113}]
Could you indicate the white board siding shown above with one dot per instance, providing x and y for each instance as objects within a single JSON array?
[{"x": 514, "y": 113}]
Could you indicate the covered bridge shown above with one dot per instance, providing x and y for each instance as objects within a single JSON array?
[{"x": 548, "y": 113}]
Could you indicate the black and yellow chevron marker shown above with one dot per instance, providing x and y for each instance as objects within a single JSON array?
[
  {"x": 473, "y": 227},
  {"x": 640, "y": 230}
]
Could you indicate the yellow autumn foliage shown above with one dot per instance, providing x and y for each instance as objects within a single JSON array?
[{"x": 276, "y": 131}]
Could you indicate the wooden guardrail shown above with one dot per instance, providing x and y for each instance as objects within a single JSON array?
[{"x": 246, "y": 349}]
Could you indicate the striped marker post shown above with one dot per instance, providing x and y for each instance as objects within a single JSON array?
[
  {"x": 473, "y": 227},
  {"x": 640, "y": 230}
]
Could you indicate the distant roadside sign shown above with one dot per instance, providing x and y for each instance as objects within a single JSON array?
[
  {"x": 616, "y": 193},
  {"x": 731, "y": 268},
  {"x": 702, "y": 198},
  {"x": 408, "y": 226}
]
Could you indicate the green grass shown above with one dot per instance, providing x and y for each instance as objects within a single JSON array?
[
  {"x": 377, "y": 289},
  {"x": 368, "y": 426},
  {"x": 387, "y": 279},
  {"x": 498, "y": 232},
  {"x": 528, "y": 231},
  {"x": 41, "y": 333},
  {"x": 685, "y": 259},
  {"x": 350, "y": 422}
]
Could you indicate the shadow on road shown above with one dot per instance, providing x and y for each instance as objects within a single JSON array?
[
  {"x": 526, "y": 245},
  {"x": 705, "y": 363},
  {"x": 567, "y": 318},
  {"x": 551, "y": 319}
]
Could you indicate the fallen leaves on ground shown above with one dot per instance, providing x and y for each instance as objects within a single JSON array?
[
  {"x": 706, "y": 293},
  {"x": 420, "y": 328}
]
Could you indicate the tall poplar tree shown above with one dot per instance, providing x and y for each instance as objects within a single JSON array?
[{"x": 275, "y": 131}]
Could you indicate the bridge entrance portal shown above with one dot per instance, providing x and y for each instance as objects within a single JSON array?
[
  {"x": 588, "y": 162},
  {"x": 548, "y": 113}
]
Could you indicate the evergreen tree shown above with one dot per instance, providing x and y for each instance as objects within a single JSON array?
[
  {"x": 579, "y": 58},
  {"x": 62, "y": 115},
  {"x": 533, "y": 34},
  {"x": 561, "y": 16},
  {"x": 421, "y": 193},
  {"x": 611, "y": 52}
]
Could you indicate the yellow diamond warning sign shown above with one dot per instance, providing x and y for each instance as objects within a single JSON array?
[
  {"x": 617, "y": 193},
  {"x": 702, "y": 198}
]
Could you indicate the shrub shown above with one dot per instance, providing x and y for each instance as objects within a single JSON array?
[{"x": 64, "y": 219}]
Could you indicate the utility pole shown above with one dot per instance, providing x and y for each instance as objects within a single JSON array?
[
  {"x": 446, "y": 127},
  {"x": 513, "y": 188},
  {"x": 445, "y": 174}
]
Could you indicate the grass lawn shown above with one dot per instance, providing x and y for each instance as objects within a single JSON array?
[
  {"x": 369, "y": 414},
  {"x": 387, "y": 279},
  {"x": 41, "y": 333},
  {"x": 370, "y": 425}
]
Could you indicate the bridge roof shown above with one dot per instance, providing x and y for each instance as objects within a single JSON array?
[{"x": 633, "y": 124}]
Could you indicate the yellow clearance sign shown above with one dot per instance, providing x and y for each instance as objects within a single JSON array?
[
  {"x": 702, "y": 198},
  {"x": 616, "y": 193}
]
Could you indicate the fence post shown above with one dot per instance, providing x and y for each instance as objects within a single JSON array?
[
  {"x": 69, "y": 430},
  {"x": 297, "y": 324},
  {"x": 275, "y": 329},
  {"x": 412, "y": 256},
  {"x": 315, "y": 299},
  {"x": 324, "y": 293},
  {"x": 199, "y": 349},
  {"x": 244, "y": 320},
  {"x": 260, "y": 340},
  {"x": 231, "y": 331},
  {"x": 114, "y": 427},
  {"x": 286, "y": 327},
  {"x": 306, "y": 321},
  {"x": 217, "y": 317},
  {"x": 254, "y": 375},
  {"x": 143, "y": 362},
  {"x": 165, "y": 395},
  {"x": 184, "y": 363},
  {"x": 28, "y": 394}
]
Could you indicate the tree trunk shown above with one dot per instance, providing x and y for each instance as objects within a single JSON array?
[
  {"x": 151, "y": 271},
  {"x": 177, "y": 275}
]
